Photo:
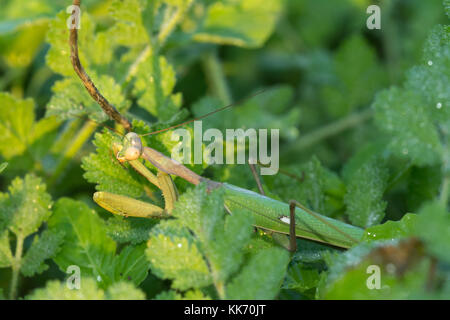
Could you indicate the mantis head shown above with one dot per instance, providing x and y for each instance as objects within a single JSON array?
[{"x": 131, "y": 149}]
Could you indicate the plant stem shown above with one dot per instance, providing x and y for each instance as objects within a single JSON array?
[
  {"x": 173, "y": 20},
  {"x": 72, "y": 149},
  {"x": 216, "y": 77},
  {"x": 332, "y": 129},
  {"x": 16, "y": 267}
]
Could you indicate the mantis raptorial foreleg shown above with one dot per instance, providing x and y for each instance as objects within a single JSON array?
[{"x": 129, "y": 207}]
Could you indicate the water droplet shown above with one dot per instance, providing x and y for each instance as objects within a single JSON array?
[
  {"x": 439, "y": 105},
  {"x": 430, "y": 63},
  {"x": 391, "y": 268},
  {"x": 99, "y": 278},
  {"x": 180, "y": 245}
]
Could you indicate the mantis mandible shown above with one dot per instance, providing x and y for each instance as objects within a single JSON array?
[{"x": 274, "y": 216}]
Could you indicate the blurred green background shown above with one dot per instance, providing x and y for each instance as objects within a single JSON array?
[{"x": 322, "y": 63}]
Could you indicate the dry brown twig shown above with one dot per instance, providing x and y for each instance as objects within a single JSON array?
[{"x": 107, "y": 107}]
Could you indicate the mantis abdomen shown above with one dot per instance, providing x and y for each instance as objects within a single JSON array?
[{"x": 273, "y": 215}]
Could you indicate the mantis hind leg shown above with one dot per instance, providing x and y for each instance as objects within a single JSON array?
[{"x": 278, "y": 237}]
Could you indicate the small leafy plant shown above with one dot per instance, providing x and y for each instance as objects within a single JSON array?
[{"x": 364, "y": 124}]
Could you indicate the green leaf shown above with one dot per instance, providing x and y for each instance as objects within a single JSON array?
[
  {"x": 393, "y": 229},
  {"x": 124, "y": 291},
  {"x": 430, "y": 79},
  {"x": 433, "y": 226},
  {"x": 358, "y": 76},
  {"x": 304, "y": 15},
  {"x": 43, "y": 247},
  {"x": 6, "y": 257},
  {"x": 133, "y": 230},
  {"x": 240, "y": 23},
  {"x": 221, "y": 238},
  {"x": 423, "y": 186},
  {"x": 261, "y": 277},
  {"x": 189, "y": 295},
  {"x": 18, "y": 128},
  {"x": 58, "y": 56},
  {"x": 155, "y": 81},
  {"x": 365, "y": 206},
  {"x": 175, "y": 257},
  {"x": 24, "y": 43},
  {"x": 55, "y": 290},
  {"x": 301, "y": 278},
  {"x": 128, "y": 29},
  {"x": 85, "y": 243},
  {"x": 402, "y": 114},
  {"x": 70, "y": 99},
  {"x": 131, "y": 264},
  {"x": 26, "y": 206}
]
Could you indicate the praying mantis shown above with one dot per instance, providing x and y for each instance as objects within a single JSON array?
[
  {"x": 268, "y": 214},
  {"x": 274, "y": 216}
]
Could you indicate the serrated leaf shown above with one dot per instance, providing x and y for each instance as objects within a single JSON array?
[
  {"x": 128, "y": 29},
  {"x": 86, "y": 243},
  {"x": 261, "y": 277},
  {"x": 431, "y": 77},
  {"x": 189, "y": 295},
  {"x": 133, "y": 230},
  {"x": 70, "y": 99},
  {"x": 26, "y": 206},
  {"x": 402, "y": 115},
  {"x": 124, "y": 291},
  {"x": 365, "y": 206},
  {"x": 89, "y": 290},
  {"x": 245, "y": 24},
  {"x": 301, "y": 278},
  {"x": 56, "y": 290},
  {"x": 44, "y": 247},
  {"x": 154, "y": 84},
  {"x": 58, "y": 56},
  {"x": 393, "y": 229},
  {"x": 175, "y": 258},
  {"x": 18, "y": 128},
  {"x": 222, "y": 239}
]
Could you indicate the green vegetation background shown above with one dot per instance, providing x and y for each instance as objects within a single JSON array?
[{"x": 364, "y": 137}]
